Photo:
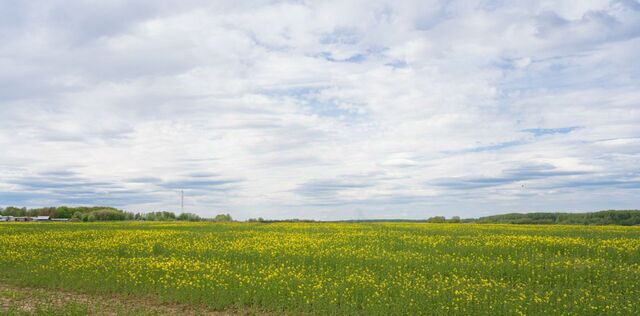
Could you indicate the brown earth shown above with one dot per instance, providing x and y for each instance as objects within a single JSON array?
[{"x": 15, "y": 300}]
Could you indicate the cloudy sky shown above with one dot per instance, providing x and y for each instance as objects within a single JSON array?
[{"x": 321, "y": 109}]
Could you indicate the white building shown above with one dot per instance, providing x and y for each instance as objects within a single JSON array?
[{"x": 41, "y": 219}]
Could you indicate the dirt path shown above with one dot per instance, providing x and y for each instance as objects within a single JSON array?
[{"x": 35, "y": 301}]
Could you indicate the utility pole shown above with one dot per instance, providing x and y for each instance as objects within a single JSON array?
[{"x": 181, "y": 201}]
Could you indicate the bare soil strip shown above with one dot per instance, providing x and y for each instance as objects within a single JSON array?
[{"x": 15, "y": 300}]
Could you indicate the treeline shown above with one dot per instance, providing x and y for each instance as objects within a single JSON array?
[
  {"x": 609, "y": 217},
  {"x": 97, "y": 213},
  {"x": 61, "y": 212}
]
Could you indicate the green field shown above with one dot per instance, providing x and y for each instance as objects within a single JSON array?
[{"x": 335, "y": 268}]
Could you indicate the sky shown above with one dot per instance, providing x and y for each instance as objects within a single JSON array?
[{"x": 321, "y": 109}]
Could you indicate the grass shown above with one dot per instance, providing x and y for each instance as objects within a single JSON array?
[{"x": 333, "y": 268}]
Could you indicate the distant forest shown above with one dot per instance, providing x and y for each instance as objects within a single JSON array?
[
  {"x": 98, "y": 213},
  {"x": 610, "y": 217}
]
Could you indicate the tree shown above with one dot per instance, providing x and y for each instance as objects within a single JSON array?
[
  {"x": 14, "y": 211},
  {"x": 189, "y": 217},
  {"x": 436, "y": 219},
  {"x": 223, "y": 218}
]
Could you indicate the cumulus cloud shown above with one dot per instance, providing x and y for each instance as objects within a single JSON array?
[{"x": 332, "y": 109}]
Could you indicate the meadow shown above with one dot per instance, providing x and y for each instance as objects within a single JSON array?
[{"x": 336, "y": 268}]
